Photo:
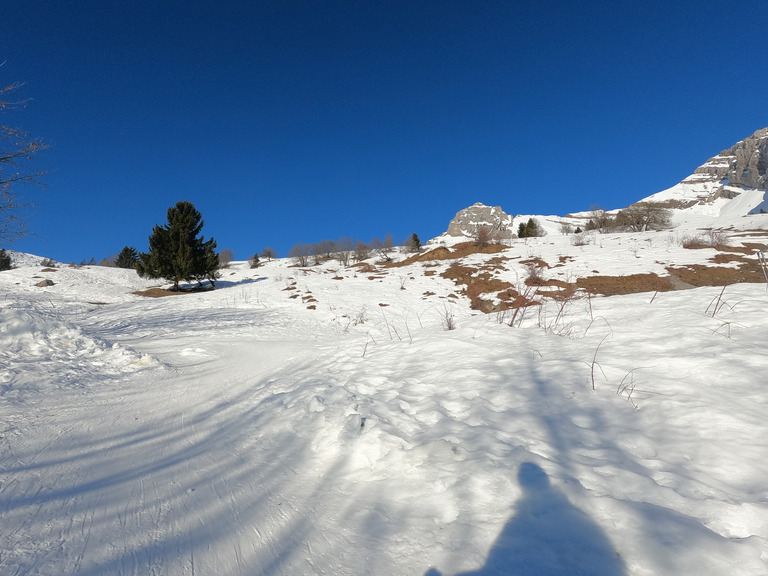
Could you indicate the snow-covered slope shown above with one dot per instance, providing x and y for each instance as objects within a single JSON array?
[
  {"x": 326, "y": 421},
  {"x": 732, "y": 183}
]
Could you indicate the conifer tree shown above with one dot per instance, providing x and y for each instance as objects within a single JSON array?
[
  {"x": 176, "y": 252},
  {"x": 5, "y": 260},
  {"x": 127, "y": 257},
  {"x": 414, "y": 244}
]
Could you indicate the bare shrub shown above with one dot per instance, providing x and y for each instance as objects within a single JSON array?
[
  {"x": 535, "y": 276},
  {"x": 449, "y": 321},
  {"x": 362, "y": 251},
  {"x": 344, "y": 249},
  {"x": 642, "y": 217},
  {"x": 483, "y": 235},
  {"x": 566, "y": 228},
  {"x": 383, "y": 248},
  {"x": 599, "y": 220},
  {"x": 300, "y": 254},
  {"x": 713, "y": 238},
  {"x": 581, "y": 239},
  {"x": 694, "y": 242},
  {"x": 269, "y": 253},
  {"x": 225, "y": 257}
]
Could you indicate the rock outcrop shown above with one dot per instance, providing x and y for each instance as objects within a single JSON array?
[
  {"x": 467, "y": 221},
  {"x": 743, "y": 165},
  {"x": 740, "y": 171}
]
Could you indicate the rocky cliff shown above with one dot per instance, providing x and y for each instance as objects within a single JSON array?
[
  {"x": 739, "y": 170},
  {"x": 468, "y": 220},
  {"x": 743, "y": 165}
]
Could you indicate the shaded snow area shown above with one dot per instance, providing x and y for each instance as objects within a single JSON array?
[{"x": 324, "y": 421}]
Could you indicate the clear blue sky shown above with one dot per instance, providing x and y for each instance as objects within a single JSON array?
[{"x": 295, "y": 121}]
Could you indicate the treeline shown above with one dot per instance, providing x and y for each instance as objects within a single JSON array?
[
  {"x": 635, "y": 218},
  {"x": 347, "y": 250}
]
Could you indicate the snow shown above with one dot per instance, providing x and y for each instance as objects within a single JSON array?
[{"x": 238, "y": 431}]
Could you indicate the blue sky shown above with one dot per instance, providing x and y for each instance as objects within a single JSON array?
[{"x": 296, "y": 121}]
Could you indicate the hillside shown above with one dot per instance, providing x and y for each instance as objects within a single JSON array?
[{"x": 325, "y": 420}]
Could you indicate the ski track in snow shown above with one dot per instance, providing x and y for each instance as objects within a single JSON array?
[{"x": 236, "y": 432}]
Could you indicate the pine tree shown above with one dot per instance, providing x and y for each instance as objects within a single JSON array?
[
  {"x": 414, "y": 244},
  {"x": 176, "y": 252},
  {"x": 127, "y": 258},
  {"x": 5, "y": 260}
]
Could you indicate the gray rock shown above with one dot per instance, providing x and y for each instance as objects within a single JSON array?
[
  {"x": 468, "y": 220},
  {"x": 44, "y": 283},
  {"x": 743, "y": 165}
]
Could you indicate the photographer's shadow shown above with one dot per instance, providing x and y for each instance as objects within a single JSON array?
[{"x": 548, "y": 536}]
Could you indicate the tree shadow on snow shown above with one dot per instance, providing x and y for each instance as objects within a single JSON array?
[{"x": 548, "y": 536}]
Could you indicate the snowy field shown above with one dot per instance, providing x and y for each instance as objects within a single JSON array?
[{"x": 243, "y": 432}]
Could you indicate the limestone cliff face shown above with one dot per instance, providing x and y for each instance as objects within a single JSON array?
[
  {"x": 743, "y": 165},
  {"x": 468, "y": 220},
  {"x": 740, "y": 172}
]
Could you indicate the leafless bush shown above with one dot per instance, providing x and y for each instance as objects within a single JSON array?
[
  {"x": 581, "y": 239},
  {"x": 712, "y": 238},
  {"x": 483, "y": 236},
  {"x": 535, "y": 276},
  {"x": 383, "y": 248},
  {"x": 300, "y": 253},
  {"x": 641, "y": 217},
  {"x": 225, "y": 257},
  {"x": 566, "y": 228},
  {"x": 269, "y": 253},
  {"x": 362, "y": 251},
  {"x": 449, "y": 321},
  {"x": 344, "y": 249}
]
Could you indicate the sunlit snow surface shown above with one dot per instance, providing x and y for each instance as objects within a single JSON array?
[{"x": 240, "y": 432}]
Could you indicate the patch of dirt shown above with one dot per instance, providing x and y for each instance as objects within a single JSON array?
[
  {"x": 701, "y": 275},
  {"x": 458, "y": 251},
  {"x": 631, "y": 284},
  {"x": 537, "y": 262},
  {"x": 477, "y": 282},
  {"x": 365, "y": 267},
  {"x": 159, "y": 293},
  {"x": 49, "y": 270}
]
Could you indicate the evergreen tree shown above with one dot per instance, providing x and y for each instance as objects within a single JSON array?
[
  {"x": 5, "y": 260},
  {"x": 176, "y": 252},
  {"x": 414, "y": 244},
  {"x": 530, "y": 229},
  {"x": 127, "y": 258}
]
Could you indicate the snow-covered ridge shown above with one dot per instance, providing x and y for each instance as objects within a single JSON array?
[{"x": 741, "y": 169}]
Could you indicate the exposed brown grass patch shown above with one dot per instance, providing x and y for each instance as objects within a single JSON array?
[
  {"x": 701, "y": 275},
  {"x": 538, "y": 262},
  {"x": 745, "y": 248},
  {"x": 458, "y": 251},
  {"x": 476, "y": 282},
  {"x": 365, "y": 267},
  {"x": 158, "y": 293},
  {"x": 631, "y": 284}
]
